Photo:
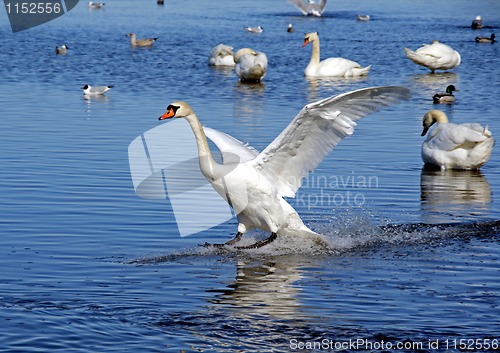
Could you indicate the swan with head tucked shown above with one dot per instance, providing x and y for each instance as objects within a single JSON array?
[
  {"x": 331, "y": 67},
  {"x": 309, "y": 7},
  {"x": 221, "y": 55},
  {"x": 435, "y": 56},
  {"x": 455, "y": 146},
  {"x": 255, "y": 186},
  {"x": 251, "y": 66}
]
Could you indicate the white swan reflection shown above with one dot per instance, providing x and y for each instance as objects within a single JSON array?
[{"x": 454, "y": 195}]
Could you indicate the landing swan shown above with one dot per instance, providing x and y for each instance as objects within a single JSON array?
[
  {"x": 256, "y": 186},
  {"x": 435, "y": 56},
  {"x": 221, "y": 55},
  {"x": 453, "y": 146},
  {"x": 309, "y": 7},
  {"x": 331, "y": 67},
  {"x": 251, "y": 66}
]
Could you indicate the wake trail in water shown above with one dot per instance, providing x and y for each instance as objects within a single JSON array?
[{"x": 339, "y": 237}]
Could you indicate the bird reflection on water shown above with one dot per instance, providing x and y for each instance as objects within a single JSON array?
[{"x": 454, "y": 194}]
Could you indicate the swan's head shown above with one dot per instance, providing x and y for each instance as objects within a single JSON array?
[
  {"x": 177, "y": 110},
  {"x": 431, "y": 117},
  {"x": 310, "y": 37},
  {"x": 243, "y": 51}
]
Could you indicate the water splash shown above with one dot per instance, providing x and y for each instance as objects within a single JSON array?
[{"x": 337, "y": 236}]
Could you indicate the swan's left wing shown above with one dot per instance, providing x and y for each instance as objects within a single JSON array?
[
  {"x": 316, "y": 130},
  {"x": 233, "y": 150}
]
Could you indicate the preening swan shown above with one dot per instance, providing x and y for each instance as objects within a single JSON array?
[
  {"x": 251, "y": 66},
  {"x": 455, "y": 146},
  {"x": 221, "y": 55},
  {"x": 445, "y": 98},
  {"x": 309, "y": 7},
  {"x": 435, "y": 56},
  {"x": 331, "y": 67},
  {"x": 255, "y": 186}
]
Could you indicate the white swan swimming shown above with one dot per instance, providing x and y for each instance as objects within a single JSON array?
[
  {"x": 221, "y": 55},
  {"x": 455, "y": 146},
  {"x": 435, "y": 56},
  {"x": 331, "y": 67},
  {"x": 309, "y": 7},
  {"x": 256, "y": 186},
  {"x": 251, "y": 66}
]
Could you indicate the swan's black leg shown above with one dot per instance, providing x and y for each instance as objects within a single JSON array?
[
  {"x": 236, "y": 239},
  {"x": 260, "y": 243},
  {"x": 231, "y": 242}
]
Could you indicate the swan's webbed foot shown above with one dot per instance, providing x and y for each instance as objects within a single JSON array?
[
  {"x": 231, "y": 242},
  {"x": 260, "y": 243}
]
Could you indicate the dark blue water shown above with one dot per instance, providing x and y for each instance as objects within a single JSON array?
[{"x": 88, "y": 266}]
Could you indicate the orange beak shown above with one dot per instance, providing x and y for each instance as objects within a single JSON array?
[
  {"x": 306, "y": 41},
  {"x": 168, "y": 114}
]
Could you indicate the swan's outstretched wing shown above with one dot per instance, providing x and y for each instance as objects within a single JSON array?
[
  {"x": 233, "y": 150},
  {"x": 301, "y": 5},
  {"x": 316, "y": 130},
  {"x": 321, "y": 5}
]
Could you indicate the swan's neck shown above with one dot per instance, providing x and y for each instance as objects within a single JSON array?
[
  {"x": 315, "y": 53},
  {"x": 440, "y": 118},
  {"x": 208, "y": 166}
]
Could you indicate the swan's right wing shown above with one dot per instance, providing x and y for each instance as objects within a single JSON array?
[
  {"x": 301, "y": 5},
  {"x": 315, "y": 131},
  {"x": 233, "y": 150},
  {"x": 321, "y": 5}
]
